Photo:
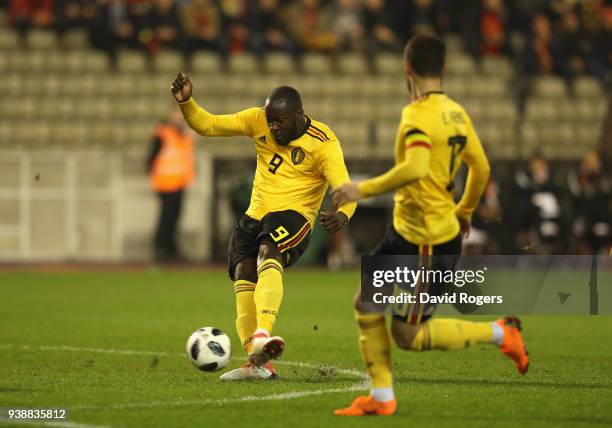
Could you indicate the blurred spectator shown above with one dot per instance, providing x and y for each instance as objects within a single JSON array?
[
  {"x": 536, "y": 209},
  {"x": 109, "y": 27},
  {"x": 591, "y": 191},
  {"x": 166, "y": 26},
  {"x": 492, "y": 36},
  {"x": 347, "y": 24},
  {"x": 140, "y": 15},
  {"x": 268, "y": 33},
  {"x": 540, "y": 57},
  {"x": 486, "y": 222},
  {"x": 423, "y": 19},
  {"x": 311, "y": 26},
  {"x": 201, "y": 21},
  {"x": 541, "y": 53},
  {"x": 25, "y": 14},
  {"x": 66, "y": 15},
  {"x": 235, "y": 23},
  {"x": 572, "y": 47},
  {"x": 600, "y": 58},
  {"x": 171, "y": 166},
  {"x": 379, "y": 36}
]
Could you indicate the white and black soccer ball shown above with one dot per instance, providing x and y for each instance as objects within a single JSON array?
[{"x": 209, "y": 349}]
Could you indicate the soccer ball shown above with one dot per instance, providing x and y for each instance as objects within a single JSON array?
[{"x": 209, "y": 349}]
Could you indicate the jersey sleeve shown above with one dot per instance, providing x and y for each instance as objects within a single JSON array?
[
  {"x": 417, "y": 145},
  {"x": 333, "y": 168},
  {"x": 478, "y": 174},
  {"x": 204, "y": 123}
]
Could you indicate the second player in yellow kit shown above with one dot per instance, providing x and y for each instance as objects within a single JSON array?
[
  {"x": 434, "y": 137},
  {"x": 297, "y": 159}
]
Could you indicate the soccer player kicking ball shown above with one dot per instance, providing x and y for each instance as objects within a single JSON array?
[
  {"x": 435, "y": 135},
  {"x": 297, "y": 158}
]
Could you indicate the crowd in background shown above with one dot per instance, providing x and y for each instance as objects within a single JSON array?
[
  {"x": 544, "y": 208},
  {"x": 532, "y": 209},
  {"x": 562, "y": 37}
]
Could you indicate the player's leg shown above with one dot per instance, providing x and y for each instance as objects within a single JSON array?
[
  {"x": 413, "y": 329},
  {"x": 454, "y": 334},
  {"x": 242, "y": 261},
  {"x": 375, "y": 349},
  {"x": 244, "y": 286},
  {"x": 283, "y": 238}
]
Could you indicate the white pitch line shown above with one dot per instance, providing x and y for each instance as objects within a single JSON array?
[
  {"x": 350, "y": 372},
  {"x": 272, "y": 397},
  {"x": 61, "y": 424},
  {"x": 280, "y": 396}
]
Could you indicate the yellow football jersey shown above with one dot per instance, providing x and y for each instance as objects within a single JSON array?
[
  {"x": 425, "y": 210},
  {"x": 291, "y": 177}
]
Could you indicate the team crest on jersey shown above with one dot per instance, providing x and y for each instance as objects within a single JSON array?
[
  {"x": 262, "y": 139},
  {"x": 297, "y": 155}
]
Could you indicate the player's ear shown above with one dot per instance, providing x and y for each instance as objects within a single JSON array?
[{"x": 408, "y": 71}]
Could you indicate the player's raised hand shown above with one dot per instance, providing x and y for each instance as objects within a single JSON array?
[
  {"x": 181, "y": 87},
  {"x": 333, "y": 222},
  {"x": 346, "y": 193}
]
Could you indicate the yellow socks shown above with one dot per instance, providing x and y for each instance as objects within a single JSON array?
[
  {"x": 246, "y": 315},
  {"x": 451, "y": 334},
  {"x": 268, "y": 293},
  {"x": 375, "y": 348}
]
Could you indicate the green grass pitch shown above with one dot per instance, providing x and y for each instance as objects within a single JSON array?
[{"x": 57, "y": 330}]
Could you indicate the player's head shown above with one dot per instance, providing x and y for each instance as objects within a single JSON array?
[
  {"x": 424, "y": 57},
  {"x": 284, "y": 114}
]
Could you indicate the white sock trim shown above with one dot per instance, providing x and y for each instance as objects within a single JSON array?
[
  {"x": 498, "y": 334},
  {"x": 262, "y": 331},
  {"x": 382, "y": 394}
]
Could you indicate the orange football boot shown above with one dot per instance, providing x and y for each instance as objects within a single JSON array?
[
  {"x": 513, "y": 346},
  {"x": 367, "y": 405}
]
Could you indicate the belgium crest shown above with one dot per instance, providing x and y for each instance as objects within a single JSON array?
[{"x": 297, "y": 155}]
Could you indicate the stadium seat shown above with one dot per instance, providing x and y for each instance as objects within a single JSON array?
[
  {"x": 169, "y": 62},
  {"x": 316, "y": 63},
  {"x": 242, "y": 63},
  {"x": 42, "y": 39},
  {"x": 587, "y": 87},
  {"x": 459, "y": 63},
  {"x": 541, "y": 109},
  {"x": 76, "y": 39},
  {"x": 497, "y": 66},
  {"x": 279, "y": 63},
  {"x": 8, "y": 39},
  {"x": 353, "y": 64},
  {"x": 549, "y": 87},
  {"x": 132, "y": 62},
  {"x": 94, "y": 61},
  {"x": 205, "y": 62},
  {"x": 390, "y": 64}
]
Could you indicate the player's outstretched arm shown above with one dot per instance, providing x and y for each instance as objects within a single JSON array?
[
  {"x": 334, "y": 169},
  {"x": 414, "y": 167},
  {"x": 478, "y": 177},
  {"x": 205, "y": 123}
]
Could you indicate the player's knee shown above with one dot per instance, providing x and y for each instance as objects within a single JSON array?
[
  {"x": 357, "y": 303},
  {"x": 405, "y": 335},
  {"x": 246, "y": 270},
  {"x": 267, "y": 250}
]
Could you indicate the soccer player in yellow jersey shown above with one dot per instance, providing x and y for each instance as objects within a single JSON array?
[
  {"x": 435, "y": 135},
  {"x": 297, "y": 158}
]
